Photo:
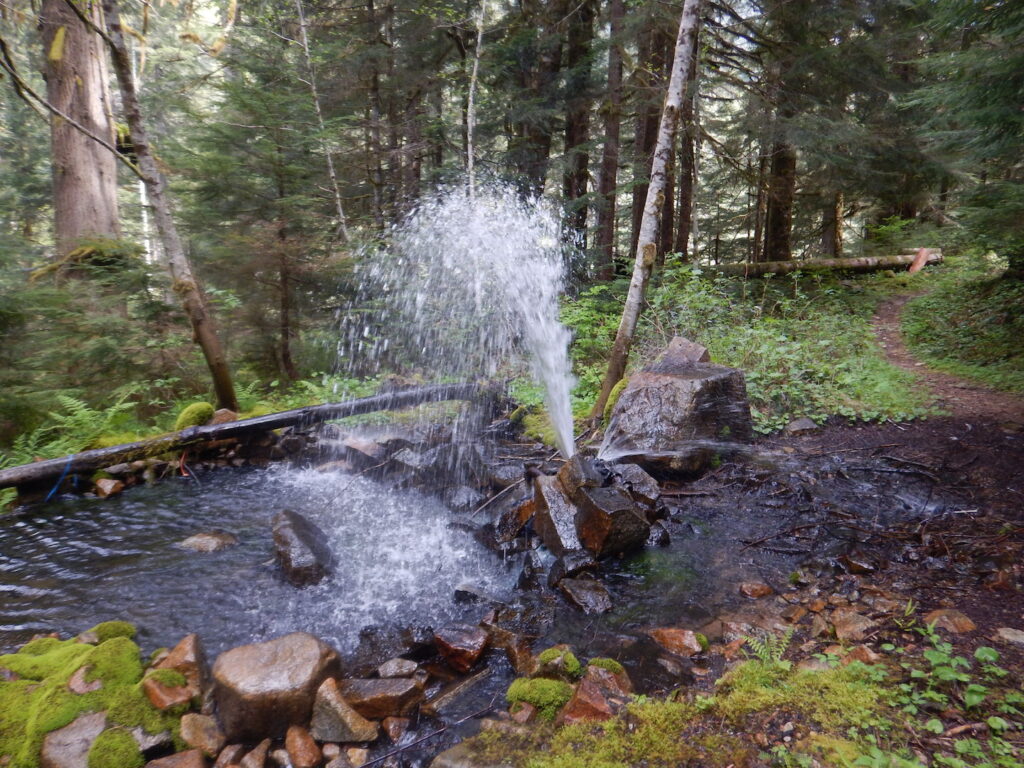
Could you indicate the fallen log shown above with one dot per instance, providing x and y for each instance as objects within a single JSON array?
[
  {"x": 857, "y": 264},
  {"x": 98, "y": 458}
]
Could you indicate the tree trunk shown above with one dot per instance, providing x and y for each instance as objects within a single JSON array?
[
  {"x": 577, "y": 117},
  {"x": 375, "y": 146},
  {"x": 859, "y": 264},
  {"x": 646, "y": 252},
  {"x": 778, "y": 225},
  {"x": 650, "y": 75},
  {"x": 183, "y": 282},
  {"x": 84, "y": 173},
  {"x": 832, "y": 227},
  {"x": 687, "y": 165},
  {"x": 612, "y": 111}
]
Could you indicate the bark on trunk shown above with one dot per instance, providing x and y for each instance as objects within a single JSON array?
[
  {"x": 781, "y": 191},
  {"x": 184, "y": 283},
  {"x": 84, "y": 173},
  {"x": 577, "y": 117},
  {"x": 860, "y": 264},
  {"x": 610, "y": 154},
  {"x": 832, "y": 227},
  {"x": 650, "y": 75},
  {"x": 646, "y": 252},
  {"x": 687, "y": 164}
]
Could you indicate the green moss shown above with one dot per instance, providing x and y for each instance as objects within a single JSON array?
[
  {"x": 115, "y": 748},
  {"x": 560, "y": 658},
  {"x": 613, "y": 398},
  {"x": 548, "y": 696},
  {"x": 168, "y": 677},
  {"x": 111, "y": 629},
  {"x": 42, "y": 702},
  {"x": 702, "y": 640},
  {"x": 194, "y": 415},
  {"x": 537, "y": 426},
  {"x": 610, "y": 664}
]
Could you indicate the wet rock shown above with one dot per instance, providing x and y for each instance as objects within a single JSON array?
[
  {"x": 659, "y": 536},
  {"x": 863, "y": 654},
  {"x": 108, "y": 486},
  {"x": 463, "y": 498},
  {"x": 801, "y": 426},
  {"x": 616, "y": 683},
  {"x": 643, "y": 488},
  {"x": 363, "y": 452},
  {"x": 357, "y": 756},
  {"x": 397, "y": 668},
  {"x": 163, "y": 696},
  {"x": 857, "y": 563},
  {"x": 212, "y": 541},
  {"x": 523, "y": 712},
  {"x": 819, "y": 626},
  {"x": 377, "y": 699},
  {"x": 230, "y": 755},
  {"x": 396, "y": 727},
  {"x": 608, "y": 522},
  {"x": 570, "y": 564},
  {"x": 188, "y": 658},
  {"x": 68, "y": 747},
  {"x": 202, "y": 732},
  {"x": 850, "y": 625},
  {"x": 257, "y": 758},
  {"x": 579, "y": 473},
  {"x": 462, "y": 755},
  {"x": 950, "y": 620},
  {"x": 468, "y": 593},
  {"x": 555, "y": 517},
  {"x": 452, "y": 693},
  {"x": 674, "y": 417},
  {"x": 461, "y": 645},
  {"x": 517, "y": 650},
  {"x": 300, "y": 549},
  {"x": 1010, "y": 635},
  {"x": 331, "y": 751},
  {"x": 301, "y": 748},
  {"x": 511, "y": 519},
  {"x": 280, "y": 758},
  {"x": 681, "y": 642},
  {"x": 793, "y": 613},
  {"x": 588, "y": 595},
  {"x": 755, "y": 589},
  {"x": 532, "y": 572},
  {"x": 192, "y": 758},
  {"x": 261, "y": 689},
  {"x": 588, "y": 704},
  {"x": 334, "y": 718}
]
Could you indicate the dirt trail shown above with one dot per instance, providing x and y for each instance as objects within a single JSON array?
[{"x": 964, "y": 400}]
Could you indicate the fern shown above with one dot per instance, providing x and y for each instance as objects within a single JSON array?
[{"x": 770, "y": 648}]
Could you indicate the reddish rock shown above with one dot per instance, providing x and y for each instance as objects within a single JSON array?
[
  {"x": 733, "y": 649},
  {"x": 523, "y": 712},
  {"x": 588, "y": 704},
  {"x": 202, "y": 732},
  {"x": 395, "y": 727},
  {"x": 302, "y": 750},
  {"x": 589, "y": 595},
  {"x": 261, "y": 689},
  {"x": 78, "y": 684},
  {"x": 357, "y": 756},
  {"x": 681, "y": 351},
  {"x": 863, "y": 654},
  {"x": 817, "y": 605},
  {"x": 257, "y": 758},
  {"x": 755, "y": 589},
  {"x": 188, "y": 658},
  {"x": 555, "y": 517},
  {"x": 397, "y": 668},
  {"x": 952, "y": 621},
  {"x": 108, "y": 486},
  {"x": 793, "y": 613},
  {"x": 377, "y": 699},
  {"x": 681, "y": 642},
  {"x": 461, "y": 645},
  {"x": 68, "y": 747},
  {"x": 608, "y": 521},
  {"x": 511, "y": 520},
  {"x": 335, "y": 719},
  {"x": 223, "y": 416},
  {"x": 819, "y": 626},
  {"x": 165, "y": 696},
  {"x": 193, "y": 758},
  {"x": 617, "y": 684},
  {"x": 230, "y": 755},
  {"x": 641, "y": 486},
  {"x": 850, "y": 625}
]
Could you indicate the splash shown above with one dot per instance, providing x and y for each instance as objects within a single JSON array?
[{"x": 468, "y": 288}]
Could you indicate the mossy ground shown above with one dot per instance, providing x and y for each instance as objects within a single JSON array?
[{"x": 40, "y": 701}]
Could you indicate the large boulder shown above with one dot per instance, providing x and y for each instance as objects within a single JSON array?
[
  {"x": 678, "y": 414},
  {"x": 608, "y": 522},
  {"x": 555, "y": 516},
  {"x": 300, "y": 549},
  {"x": 262, "y": 688}
]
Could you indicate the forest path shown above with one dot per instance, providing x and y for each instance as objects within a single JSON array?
[{"x": 963, "y": 399}]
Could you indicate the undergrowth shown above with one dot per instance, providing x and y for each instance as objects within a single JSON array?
[{"x": 969, "y": 323}]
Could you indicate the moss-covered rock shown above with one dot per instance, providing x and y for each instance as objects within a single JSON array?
[
  {"x": 559, "y": 661},
  {"x": 613, "y": 399},
  {"x": 609, "y": 664},
  {"x": 115, "y": 748},
  {"x": 41, "y": 701},
  {"x": 548, "y": 696},
  {"x": 194, "y": 415},
  {"x": 537, "y": 426}
]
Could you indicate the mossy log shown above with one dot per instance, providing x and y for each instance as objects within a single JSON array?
[
  {"x": 858, "y": 264},
  {"x": 90, "y": 461}
]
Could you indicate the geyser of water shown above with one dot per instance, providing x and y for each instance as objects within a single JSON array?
[{"x": 469, "y": 286}]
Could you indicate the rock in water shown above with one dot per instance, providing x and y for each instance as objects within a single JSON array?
[
  {"x": 263, "y": 688},
  {"x": 461, "y": 645},
  {"x": 555, "y": 518},
  {"x": 69, "y": 746},
  {"x": 334, "y": 719},
  {"x": 300, "y": 549},
  {"x": 588, "y": 595},
  {"x": 676, "y": 415},
  {"x": 608, "y": 522}
]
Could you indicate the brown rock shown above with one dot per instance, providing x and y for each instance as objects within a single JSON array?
[
  {"x": 453, "y": 692},
  {"x": 223, "y": 416},
  {"x": 230, "y": 755},
  {"x": 950, "y": 620},
  {"x": 850, "y": 625},
  {"x": 300, "y": 549},
  {"x": 302, "y": 750},
  {"x": 331, "y": 751},
  {"x": 357, "y": 756},
  {"x": 108, "y": 486},
  {"x": 863, "y": 654},
  {"x": 819, "y": 626},
  {"x": 209, "y": 541},
  {"x": 188, "y": 658},
  {"x": 1010, "y": 635},
  {"x": 616, "y": 684},
  {"x": 817, "y": 605},
  {"x": 523, "y": 712},
  {"x": 555, "y": 517},
  {"x": 397, "y": 668},
  {"x": 588, "y": 704},
  {"x": 511, "y": 520},
  {"x": 377, "y": 699},
  {"x": 395, "y": 727},
  {"x": 608, "y": 521},
  {"x": 165, "y": 696},
  {"x": 192, "y": 758},
  {"x": 793, "y": 613},
  {"x": 257, "y": 758},
  {"x": 733, "y": 649},
  {"x": 68, "y": 747},
  {"x": 755, "y": 589},
  {"x": 261, "y": 689},
  {"x": 335, "y": 719},
  {"x": 681, "y": 642},
  {"x": 203, "y": 733},
  {"x": 77, "y": 683},
  {"x": 588, "y": 595},
  {"x": 579, "y": 473},
  {"x": 641, "y": 486},
  {"x": 461, "y": 645},
  {"x": 681, "y": 351}
]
